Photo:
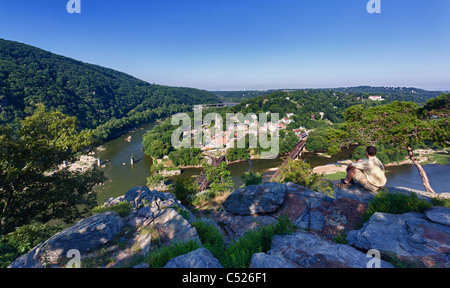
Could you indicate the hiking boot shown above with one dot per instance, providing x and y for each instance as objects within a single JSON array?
[{"x": 342, "y": 184}]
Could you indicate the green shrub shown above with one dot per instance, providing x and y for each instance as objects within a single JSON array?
[
  {"x": 183, "y": 212},
  {"x": 184, "y": 190},
  {"x": 395, "y": 203},
  {"x": 440, "y": 202},
  {"x": 250, "y": 178},
  {"x": 122, "y": 208},
  {"x": 159, "y": 257},
  {"x": 300, "y": 173},
  {"x": 7, "y": 255},
  {"x": 23, "y": 239},
  {"x": 239, "y": 253},
  {"x": 155, "y": 179},
  {"x": 211, "y": 238},
  {"x": 236, "y": 255}
]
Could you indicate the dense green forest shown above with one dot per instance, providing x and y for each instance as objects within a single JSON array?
[
  {"x": 393, "y": 93},
  {"x": 307, "y": 105},
  {"x": 103, "y": 99},
  {"x": 389, "y": 93}
]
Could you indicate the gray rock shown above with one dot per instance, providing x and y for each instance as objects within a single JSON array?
[
  {"x": 356, "y": 192},
  {"x": 263, "y": 260},
  {"x": 136, "y": 222},
  {"x": 143, "y": 243},
  {"x": 411, "y": 237},
  {"x": 440, "y": 215},
  {"x": 142, "y": 196},
  {"x": 310, "y": 251},
  {"x": 85, "y": 236},
  {"x": 256, "y": 199},
  {"x": 237, "y": 226},
  {"x": 146, "y": 203},
  {"x": 173, "y": 227},
  {"x": 200, "y": 258},
  {"x": 310, "y": 210},
  {"x": 142, "y": 266}
]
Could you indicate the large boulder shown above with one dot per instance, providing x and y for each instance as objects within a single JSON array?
[
  {"x": 440, "y": 215},
  {"x": 236, "y": 225},
  {"x": 85, "y": 236},
  {"x": 200, "y": 258},
  {"x": 306, "y": 250},
  {"x": 411, "y": 237},
  {"x": 246, "y": 209},
  {"x": 307, "y": 209},
  {"x": 173, "y": 227},
  {"x": 256, "y": 199}
]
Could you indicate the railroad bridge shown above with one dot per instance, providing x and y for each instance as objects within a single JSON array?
[
  {"x": 202, "y": 182},
  {"x": 295, "y": 153}
]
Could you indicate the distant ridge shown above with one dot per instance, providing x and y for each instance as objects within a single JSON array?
[
  {"x": 393, "y": 93},
  {"x": 101, "y": 98}
]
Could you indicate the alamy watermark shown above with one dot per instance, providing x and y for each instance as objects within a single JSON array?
[
  {"x": 374, "y": 6},
  {"x": 375, "y": 262},
  {"x": 73, "y": 6},
  {"x": 208, "y": 132},
  {"x": 75, "y": 261}
]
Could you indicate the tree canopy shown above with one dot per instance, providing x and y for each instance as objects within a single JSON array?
[
  {"x": 399, "y": 124},
  {"x": 32, "y": 189}
]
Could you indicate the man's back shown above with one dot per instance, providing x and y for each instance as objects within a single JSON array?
[{"x": 373, "y": 168}]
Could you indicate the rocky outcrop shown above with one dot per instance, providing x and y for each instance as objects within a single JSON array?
[
  {"x": 160, "y": 218},
  {"x": 86, "y": 236},
  {"x": 155, "y": 217},
  {"x": 308, "y": 209},
  {"x": 305, "y": 250},
  {"x": 412, "y": 237},
  {"x": 200, "y": 258},
  {"x": 256, "y": 199},
  {"x": 173, "y": 227}
]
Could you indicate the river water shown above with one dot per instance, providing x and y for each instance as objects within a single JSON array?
[{"x": 122, "y": 176}]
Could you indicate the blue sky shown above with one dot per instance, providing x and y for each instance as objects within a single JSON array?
[{"x": 246, "y": 44}]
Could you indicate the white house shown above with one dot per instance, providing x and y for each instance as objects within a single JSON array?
[{"x": 376, "y": 98}]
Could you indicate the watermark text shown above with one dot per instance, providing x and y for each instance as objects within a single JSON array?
[{"x": 73, "y": 6}]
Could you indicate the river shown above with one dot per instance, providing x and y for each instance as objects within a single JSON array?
[{"x": 122, "y": 176}]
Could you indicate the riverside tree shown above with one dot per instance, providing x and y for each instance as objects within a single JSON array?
[
  {"x": 32, "y": 188},
  {"x": 400, "y": 124}
]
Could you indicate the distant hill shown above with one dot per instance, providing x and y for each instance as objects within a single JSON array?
[
  {"x": 239, "y": 96},
  {"x": 389, "y": 93},
  {"x": 103, "y": 99},
  {"x": 394, "y": 93},
  {"x": 313, "y": 108}
]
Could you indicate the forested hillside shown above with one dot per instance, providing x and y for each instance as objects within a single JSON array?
[
  {"x": 311, "y": 106},
  {"x": 394, "y": 93},
  {"x": 389, "y": 93},
  {"x": 101, "y": 98}
]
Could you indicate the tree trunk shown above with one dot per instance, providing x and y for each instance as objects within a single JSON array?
[{"x": 422, "y": 172}]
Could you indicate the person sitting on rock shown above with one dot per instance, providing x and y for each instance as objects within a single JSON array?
[{"x": 367, "y": 172}]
